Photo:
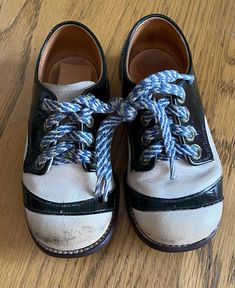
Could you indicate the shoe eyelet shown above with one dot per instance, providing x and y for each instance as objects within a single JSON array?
[
  {"x": 37, "y": 166},
  {"x": 144, "y": 142},
  {"x": 93, "y": 166},
  {"x": 181, "y": 100},
  {"x": 143, "y": 161},
  {"x": 199, "y": 152},
  {"x": 191, "y": 137},
  {"x": 91, "y": 125},
  {"x": 42, "y": 147},
  {"x": 143, "y": 122},
  {"x": 45, "y": 129},
  {"x": 186, "y": 119},
  {"x": 91, "y": 145}
]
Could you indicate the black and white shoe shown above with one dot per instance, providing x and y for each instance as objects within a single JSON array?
[
  {"x": 174, "y": 179},
  {"x": 64, "y": 215}
]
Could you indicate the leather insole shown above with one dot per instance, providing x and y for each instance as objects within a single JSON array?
[
  {"x": 72, "y": 70},
  {"x": 150, "y": 61}
]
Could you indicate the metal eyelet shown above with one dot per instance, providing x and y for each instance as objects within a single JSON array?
[
  {"x": 91, "y": 124},
  {"x": 186, "y": 119},
  {"x": 144, "y": 142},
  {"x": 199, "y": 152},
  {"x": 42, "y": 147},
  {"x": 181, "y": 100},
  {"x": 45, "y": 129},
  {"x": 93, "y": 166},
  {"x": 143, "y": 161},
  {"x": 191, "y": 137},
  {"x": 143, "y": 122},
  {"x": 91, "y": 145},
  {"x": 37, "y": 166}
]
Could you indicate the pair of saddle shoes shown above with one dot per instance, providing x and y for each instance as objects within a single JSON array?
[{"x": 173, "y": 183}]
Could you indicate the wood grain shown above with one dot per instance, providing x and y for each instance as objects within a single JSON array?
[{"x": 126, "y": 262}]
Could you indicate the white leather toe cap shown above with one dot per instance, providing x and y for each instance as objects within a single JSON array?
[
  {"x": 180, "y": 227},
  {"x": 68, "y": 233}
]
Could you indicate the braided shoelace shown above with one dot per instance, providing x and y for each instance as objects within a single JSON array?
[
  {"x": 142, "y": 97},
  {"x": 80, "y": 110}
]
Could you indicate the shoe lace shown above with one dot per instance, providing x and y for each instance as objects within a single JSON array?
[
  {"x": 60, "y": 144},
  {"x": 144, "y": 97},
  {"x": 63, "y": 135}
]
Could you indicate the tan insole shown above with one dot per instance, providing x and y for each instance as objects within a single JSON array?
[
  {"x": 151, "y": 61},
  {"x": 72, "y": 70}
]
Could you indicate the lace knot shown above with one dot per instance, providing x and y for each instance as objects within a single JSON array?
[
  {"x": 60, "y": 142},
  {"x": 124, "y": 109}
]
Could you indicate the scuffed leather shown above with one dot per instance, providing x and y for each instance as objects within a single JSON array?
[
  {"x": 68, "y": 233},
  {"x": 61, "y": 209}
]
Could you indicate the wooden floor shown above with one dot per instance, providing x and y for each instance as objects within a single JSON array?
[{"x": 126, "y": 261}]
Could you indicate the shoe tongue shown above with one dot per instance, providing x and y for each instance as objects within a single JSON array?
[{"x": 66, "y": 93}]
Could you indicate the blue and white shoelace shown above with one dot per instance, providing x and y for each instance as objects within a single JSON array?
[{"x": 60, "y": 144}]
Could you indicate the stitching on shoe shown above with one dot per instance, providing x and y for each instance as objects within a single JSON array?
[
  {"x": 57, "y": 205},
  {"x": 70, "y": 213}
]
